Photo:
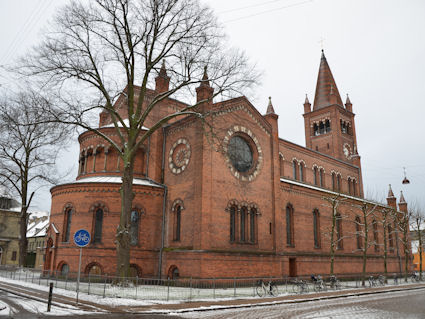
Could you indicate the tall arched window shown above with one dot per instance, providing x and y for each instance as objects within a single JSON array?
[
  {"x": 333, "y": 182},
  {"x": 177, "y": 222},
  {"x": 243, "y": 223},
  {"x": 321, "y": 178},
  {"x": 358, "y": 233},
  {"x": 301, "y": 172},
  {"x": 289, "y": 225},
  {"x": 316, "y": 228},
  {"x": 281, "y": 163},
  {"x": 98, "y": 221},
  {"x": 233, "y": 223},
  {"x": 67, "y": 225},
  {"x": 349, "y": 185},
  {"x": 252, "y": 218},
  {"x": 338, "y": 228},
  {"x": 375, "y": 235},
  {"x": 390, "y": 237},
  {"x": 354, "y": 187},
  {"x": 294, "y": 168},
  {"x": 316, "y": 175},
  {"x": 134, "y": 227},
  {"x": 338, "y": 183}
]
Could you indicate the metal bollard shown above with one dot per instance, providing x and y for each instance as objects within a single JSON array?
[{"x": 49, "y": 302}]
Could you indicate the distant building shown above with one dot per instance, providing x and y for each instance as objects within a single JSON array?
[
  {"x": 36, "y": 236},
  {"x": 9, "y": 230}
]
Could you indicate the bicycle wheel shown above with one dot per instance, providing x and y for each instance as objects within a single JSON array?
[
  {"x": 261, "y": 291},
  {"x": 296, "y": 287},
  {"x": 304, "y": 287},
  {"x": 317, "y": 287},
  {"x": 273, "y": 290},
  {"x": 338, "y": 285}
]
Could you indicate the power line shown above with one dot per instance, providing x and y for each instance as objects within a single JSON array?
[
  {"x": 270, "y": 10},
  {"x": 251, "y": 6}
]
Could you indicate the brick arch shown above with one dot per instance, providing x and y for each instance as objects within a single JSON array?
[
  {"x": 231, "y": 203},
  {"x": 171, "y": 271},
  {"x": 68, "y": 205},
  {"x": 177, "y": 202},
  {"x": 97, "y": 205},
  {"x": 138, "y": 269},
  {"x": 91, "y": 265}
]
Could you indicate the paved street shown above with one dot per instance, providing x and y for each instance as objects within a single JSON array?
[{"x": 404, "y": 304}]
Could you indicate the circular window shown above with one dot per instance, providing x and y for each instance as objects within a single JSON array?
[
  {"x": 179, "y": 156},
  {"x": 243, "y": 153},
  {"x": 240, "y": 154}
]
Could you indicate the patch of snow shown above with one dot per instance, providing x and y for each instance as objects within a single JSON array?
[
  {"x": 115, "y": 180},
  {"x": 126, "y": 123}
]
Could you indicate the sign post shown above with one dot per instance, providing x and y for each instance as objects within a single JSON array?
[{"x": 81, "y": 239}]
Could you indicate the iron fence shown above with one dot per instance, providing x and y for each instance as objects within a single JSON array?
[{"x": 178, "y": 289}]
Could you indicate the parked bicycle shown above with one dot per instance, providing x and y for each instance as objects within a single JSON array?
[
  {"x": 372, "y": 282},
  {"x": 318, "y": 284},
  {"x": 334, "y": 283},
  {"x": 300, "y": 286},
  {"x": 414, "y": 277},
  {"x": 266, "y": 289},
  {"x": 381, "y": 280}
]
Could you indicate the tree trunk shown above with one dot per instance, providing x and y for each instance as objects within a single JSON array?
[
  {"x": 123, "y": 230},
  {"x": 385, "y": 245},
  {"x": 23, "y": 242},
  {"x": 420, "y": 253},
  {"x": 332, "y": 250},
  {"x": 365, "y": 245}
]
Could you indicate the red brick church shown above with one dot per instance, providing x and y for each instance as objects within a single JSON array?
[{"x": 252, "y": 208}]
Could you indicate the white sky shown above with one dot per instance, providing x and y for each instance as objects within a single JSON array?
[{"x": 375, "y": 49}]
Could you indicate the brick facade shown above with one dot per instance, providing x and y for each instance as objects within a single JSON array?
[{"x": 227, "y": 193}]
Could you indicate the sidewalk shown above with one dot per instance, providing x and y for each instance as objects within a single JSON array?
[{"x": 93, "y": 306}]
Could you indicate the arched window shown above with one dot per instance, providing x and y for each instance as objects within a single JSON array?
[
  {"x": 321, "y": 178},
  {"x": 67, "y": 225},
  {"x": 64, "y": 270},
  {"x": 252, "y": 226},
  {"x": 316, "y": 228},
  {"x": 321, "y": 127},
  {"x": 134, "y": 227},
  {"x": 233, "y": 211},
  {"x": 98, "y": 221},
  {"x": 358, "y": 233},
  {"x": 338, "y": 183},
  {"x": 316, "y": 175},
  {"x": 333, "y": 182},
  {"x": 294, "y": 168},
  {"x": 301, "y": 172},
  {"x": 375, "y": 235},
  {"x": 281, "y": 163},
  {"x": 390, "y": 237},
  {"x": 338, "y": 228},
  {"x": 289, "y": 225},
  {"x": 173, "y": 272},
  {"x": 315, "y": 129},
  {"x": 354, "y": 187},
  {"x": 327, "y": 126},
  {"x": 93, "y": 268},
  {"x": 349, "y": 185},
  {"x": 243, "y": 224},
  {"x": 177, "y": 222}
]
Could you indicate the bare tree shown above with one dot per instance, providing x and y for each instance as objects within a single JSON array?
[
  {"x": 107, "y": 46},
  {"x": 28, "y": 151},
  {"x": 363, "y": 224},
  {"x": 402, "y": 223},
  {"x": 385, "y": 221},
  {"x": 334, "y": 232},
  {"x": 417, "y": 225}
]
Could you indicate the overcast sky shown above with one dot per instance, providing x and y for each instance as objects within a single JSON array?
[{"x": 375, "y": 48}]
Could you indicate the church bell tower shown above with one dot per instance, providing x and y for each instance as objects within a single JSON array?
[{"x": 329, "y": 126}]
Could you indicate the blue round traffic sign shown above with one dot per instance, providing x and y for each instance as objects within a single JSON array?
[{"x": 82, "y": 238}]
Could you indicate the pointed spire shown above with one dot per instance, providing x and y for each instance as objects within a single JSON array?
[
  {"x": 162, "y": 81},
  {"x": 402, "y": 200},
  {"x": 306, "y": 100},
  {"x": 163, "y": 71},
  {"x": 205, "y": 81},
  {"x": 270, "y": 109},
  {"x": 326, "y": 89},
  {"x": 307, "y": 105},
  {"x": 348, "y": 100},
  {"x": 390, "y": 193}
]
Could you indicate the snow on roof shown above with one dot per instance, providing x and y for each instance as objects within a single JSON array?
[
  {"x": 54, "y": 228},
  {"x": 290, "y": 181},
  {"x": 116, "y": 180},
  {"x": 126, "y": 122},
  {"x": 38, "y": 229}
]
